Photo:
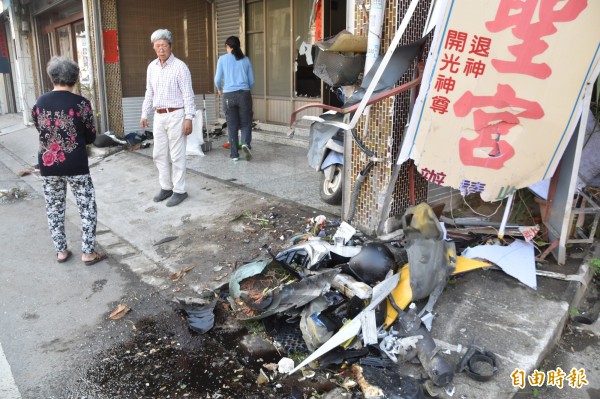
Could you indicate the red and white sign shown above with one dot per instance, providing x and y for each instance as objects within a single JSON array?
[{"x": 502, "y": 92}]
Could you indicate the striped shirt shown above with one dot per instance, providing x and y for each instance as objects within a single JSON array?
[{"x": 169, "y": 86}]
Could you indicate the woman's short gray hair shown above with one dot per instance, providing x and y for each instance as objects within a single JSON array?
[
  {"x": 161, "y": 34},
  {"x": 63, "y": 71}
]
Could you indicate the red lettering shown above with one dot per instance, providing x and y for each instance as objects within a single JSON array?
[
  {"x": 439, "y": 104},
  {"x": 488, "y": 150},
  {"x": 481, "y": 46},
  {"x": 519, "y": 14},
  {"x": 445, "y": 83},
  {"x": 473, "y": 67},
  {"x": 433, "y": 176},
  {"x": 456, "y": 40},
  {"x": 450, "y": 61}
]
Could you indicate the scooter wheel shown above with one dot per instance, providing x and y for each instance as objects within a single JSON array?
[{"x": 331, "y": 190}]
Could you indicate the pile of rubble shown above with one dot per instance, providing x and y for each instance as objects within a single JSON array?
[{"x": 353, "y": 304}]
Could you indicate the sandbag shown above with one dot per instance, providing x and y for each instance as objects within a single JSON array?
[{"x": 195, "y": 140}]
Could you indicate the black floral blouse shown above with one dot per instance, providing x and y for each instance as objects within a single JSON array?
[{"x": 65, "y": 122}]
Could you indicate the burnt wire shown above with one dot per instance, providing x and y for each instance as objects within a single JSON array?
[
  {"x": 360, "y": 144},
  {"x": 362, "y": 175},
  {"x": 356, "y": 190}
]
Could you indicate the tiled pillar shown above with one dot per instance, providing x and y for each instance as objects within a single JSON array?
[{"x": 384, "y": 131}]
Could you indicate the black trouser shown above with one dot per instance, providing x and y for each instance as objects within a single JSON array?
[{"x": 238, "y": 114}]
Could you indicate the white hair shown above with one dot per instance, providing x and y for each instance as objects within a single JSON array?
[{"x": 161, "y": 34}]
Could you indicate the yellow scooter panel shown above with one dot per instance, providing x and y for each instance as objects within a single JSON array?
[{"x": 402, "y": 294}]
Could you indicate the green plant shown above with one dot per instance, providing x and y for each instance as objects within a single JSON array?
[
  {"x": 255, "y": 327},
  {"x": 573, "y": 312},
  {"x": 595, "y": 264},
  {"x": 297, "y": 357},
  {"x": 248, "y": 215}
]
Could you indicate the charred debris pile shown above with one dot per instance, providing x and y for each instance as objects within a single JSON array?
[{"x": 361, "y": 310}]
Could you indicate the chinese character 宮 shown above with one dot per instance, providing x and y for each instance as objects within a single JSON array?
[{"x": 489, "y": 149}]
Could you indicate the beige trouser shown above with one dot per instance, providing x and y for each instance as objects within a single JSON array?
[{"x": 169, "y": 150}]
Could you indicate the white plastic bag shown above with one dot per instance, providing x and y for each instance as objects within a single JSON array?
[{"x": 195, "y": 140}]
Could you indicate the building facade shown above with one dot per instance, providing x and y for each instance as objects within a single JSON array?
[{"x": 110, "y": 40}]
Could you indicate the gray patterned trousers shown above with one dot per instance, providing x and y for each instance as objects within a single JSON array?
[{"x": 55, "y": 193}]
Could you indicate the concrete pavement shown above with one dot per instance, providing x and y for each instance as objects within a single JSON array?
[
  {"x": 516, "y": 323},
  {"x": 37, "y": 312},
  {"x": 8, "y": 387}
]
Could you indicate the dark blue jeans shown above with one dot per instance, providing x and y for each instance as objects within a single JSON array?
[{"x": 238, "y": 114}]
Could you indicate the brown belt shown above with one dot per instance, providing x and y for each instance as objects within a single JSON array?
[{"x": 166, "y": 110}]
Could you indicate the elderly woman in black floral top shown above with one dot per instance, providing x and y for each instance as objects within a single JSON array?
[{"x": 66, "y": 125}]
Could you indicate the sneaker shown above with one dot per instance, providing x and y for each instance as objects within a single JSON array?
[
  {"x": 235, "y": 159},
  {"x": 226, "y": 145},
  {"x": 247, "y": 151},
  {"x": 162, "y": 195},
  {"x": 176, "y": 199}
]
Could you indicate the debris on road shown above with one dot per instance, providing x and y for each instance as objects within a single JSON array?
[
  {"x": 13, "y": 194},
  {"x": 201, "y": 318},
  {"x": 349, "y": 297},
  {"x": 181, "y": 273},
  {"x": 343, "y": 311},
  {"x": 120, "y": 311},
  {"x": 165, "y": 239}
]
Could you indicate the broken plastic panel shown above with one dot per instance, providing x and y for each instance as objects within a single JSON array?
[
  {"x": 315, "y": 254},
  {"x": 267, "y": 282}
]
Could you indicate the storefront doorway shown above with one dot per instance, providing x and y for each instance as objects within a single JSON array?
[
  {"x": 61, "y": 32},
  {"x": 279, "y": 35}
]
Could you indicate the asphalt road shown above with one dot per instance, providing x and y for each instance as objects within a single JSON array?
[{"x": 47, "y": 310}]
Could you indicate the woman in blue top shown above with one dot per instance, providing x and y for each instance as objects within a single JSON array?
[{"x": 234, "y": 80}]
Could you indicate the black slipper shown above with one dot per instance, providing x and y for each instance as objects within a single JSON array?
[
  {"x": 97, "y": 258},
  {"x": 66, "y": 258}
]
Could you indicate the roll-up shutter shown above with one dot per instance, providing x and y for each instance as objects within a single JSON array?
[
  {"x": 191, "y": 22},
  {"x": 229, "y": 17},
  {"x": 229, "y": 20}
]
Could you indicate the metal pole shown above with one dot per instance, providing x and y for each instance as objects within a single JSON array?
[
  {"x": 14, "y": 30},
  {"x": 102, "y": 103},
  {"x": 384, "y": 62},
  {"x": 505, "y": 216},
  {"x": 88, "y": 56}
]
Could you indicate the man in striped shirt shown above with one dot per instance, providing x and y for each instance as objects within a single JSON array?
[{"x": 170, "y": 94}]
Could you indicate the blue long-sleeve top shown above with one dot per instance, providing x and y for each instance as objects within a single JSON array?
[{"x": 233, "y": 75}]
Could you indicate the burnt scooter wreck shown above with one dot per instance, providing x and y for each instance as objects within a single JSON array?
[{"x": 326, "y": 155}]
